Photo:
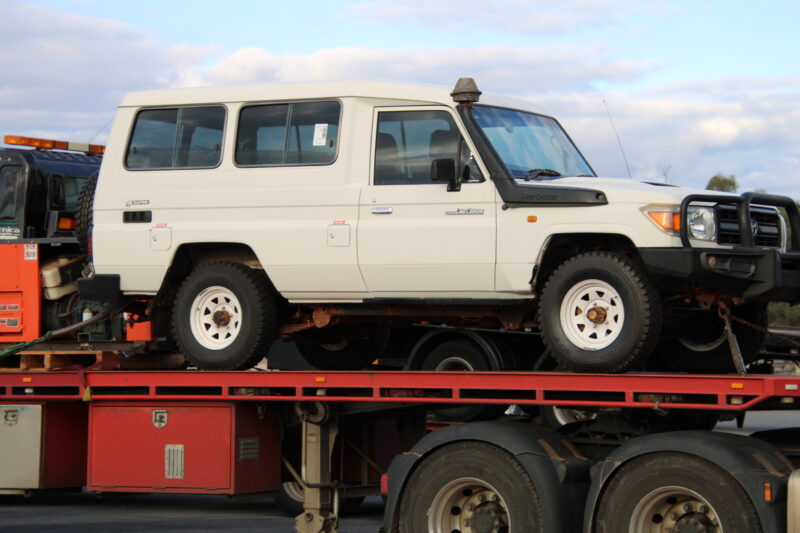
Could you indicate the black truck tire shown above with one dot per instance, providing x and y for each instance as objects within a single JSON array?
[
  {"x": 461, "y": 356},
  {"x": 83, "y": 214},
  {"x": 343, "y": 352},
  {"x": 224, "y": 317},
  {"x": 702, "y": 347},
  {"x": 470, "y": 486},
  {"x": 599, "y": 312},
  {"x": 670, "y": 491}
]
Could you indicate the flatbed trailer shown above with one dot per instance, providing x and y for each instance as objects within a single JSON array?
[{"x": 341, "y": 435}]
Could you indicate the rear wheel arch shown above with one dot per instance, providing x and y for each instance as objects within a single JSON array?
[{"x": 190, "y": 256}]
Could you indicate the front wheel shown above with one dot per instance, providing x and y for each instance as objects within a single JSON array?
[
  {"x": 470, "y": 486},
  {"x": 670, "y": 492},
  {"x": 599, "y": 312},
  {"x": 224, "y": 317}
]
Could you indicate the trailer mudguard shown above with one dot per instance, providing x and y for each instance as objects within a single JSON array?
[
  {"x": 559, "y": 472},
  {"x": 751, "y": 462}
]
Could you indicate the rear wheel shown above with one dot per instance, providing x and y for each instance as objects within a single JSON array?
[
  {"x": 224, "y": 317},
  {"x": 470, "y": 486},
  {"x": 670, "y": 492},
  {"x": 600, "y": 313}
]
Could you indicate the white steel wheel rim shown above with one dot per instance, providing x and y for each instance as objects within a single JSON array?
[
  {"x": 596, "y": 299},
  {"x": 216, "y": 318},
  {"x": 674, "y": 508},
  {"x": 468, "y": 505}
]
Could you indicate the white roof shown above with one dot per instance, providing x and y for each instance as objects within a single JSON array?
[{"x": 430, "y": 94}]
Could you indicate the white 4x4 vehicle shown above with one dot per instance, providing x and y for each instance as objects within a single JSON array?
[{"x": 329, "y": 212}]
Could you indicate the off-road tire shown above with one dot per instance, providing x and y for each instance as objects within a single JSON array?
[
  {"x": 83, "y": 213},
  {"x": 252, "y": 302},
  {"x": 611, "y": 277}
]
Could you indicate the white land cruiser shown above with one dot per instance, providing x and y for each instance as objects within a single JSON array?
[{"x": 330, "y": 212}]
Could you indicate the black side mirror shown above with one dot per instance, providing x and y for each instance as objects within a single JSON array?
[{"x": 445, "y": 170}]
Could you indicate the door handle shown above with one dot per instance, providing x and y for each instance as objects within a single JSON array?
[{"x": 382, "y": 210}]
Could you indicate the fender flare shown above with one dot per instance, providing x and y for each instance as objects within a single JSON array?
[
  {"x": 751, "y": 462},
  {"x": 428, "y": 341},
  {"x": 560, "y": 474}
]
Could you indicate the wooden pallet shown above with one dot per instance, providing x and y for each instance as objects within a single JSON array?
[{"x": 52, "y": 360}]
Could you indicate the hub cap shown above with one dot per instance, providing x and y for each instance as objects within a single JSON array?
[
  {"x": 216, "y": 318},
  {"x": 674, "y": 510},
  {"x": 592, "y": 314},
  {"x": 468, "y": 505}
]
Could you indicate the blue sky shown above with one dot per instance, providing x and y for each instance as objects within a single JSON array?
[{"x": 696, "y": 87}]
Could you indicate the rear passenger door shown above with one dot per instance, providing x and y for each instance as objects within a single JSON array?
[{"x": 416, "y": 238}]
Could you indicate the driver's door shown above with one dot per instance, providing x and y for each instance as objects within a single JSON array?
[{"x": 416, "y": 238}]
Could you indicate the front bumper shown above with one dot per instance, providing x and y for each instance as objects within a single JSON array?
[{"x": 756, "y": 274}]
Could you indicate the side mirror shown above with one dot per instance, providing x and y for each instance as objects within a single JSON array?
[{"x": 445, "y": 170}]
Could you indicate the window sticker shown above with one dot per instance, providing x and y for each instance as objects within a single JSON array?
[{"x": 320, "y": 134}]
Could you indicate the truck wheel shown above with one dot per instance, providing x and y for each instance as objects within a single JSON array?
[
  {"x": 461, "y": 356},
  {"x": 83, "y": 213},
  {"x": 343, "y": 352},
  {"x": 674, "y": 492},
  {"x": 702, "y": 346},
  {"x": 600, "y": 313},
  {"x": 224, "y": 317},
  {"x": 470, "y": 486}
]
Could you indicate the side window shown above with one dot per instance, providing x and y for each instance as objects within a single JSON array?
[
  {"x": 408, "y": 142},
  {"x": 301, "y": 133},
  {"x": 189, "y": 137},
  {"x": 9, "y": 180}
]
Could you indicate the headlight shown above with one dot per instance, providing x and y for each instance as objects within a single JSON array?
[{"x": 702, "y": 224}]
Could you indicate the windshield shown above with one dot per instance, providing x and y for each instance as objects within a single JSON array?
[{"x": 531, "y": 146}]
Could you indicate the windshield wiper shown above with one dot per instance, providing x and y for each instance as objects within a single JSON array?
[{"x": 536, "y": 173}]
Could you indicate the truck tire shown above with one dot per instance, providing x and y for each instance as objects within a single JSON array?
[
  {"x": 599, "y": 312},
  {"x": 702, "y": 347},
  {"x": 83, "y": 214},
  {"x": 224, "y": 317},
  {"x": 671, "y": 491},
  {"x": 470, "y": 486},
  {"x": 343, "y": 352},
  {"x": 461, "y": 356}
]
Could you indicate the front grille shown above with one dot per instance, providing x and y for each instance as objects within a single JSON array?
[{"x": 767, "y": 224}]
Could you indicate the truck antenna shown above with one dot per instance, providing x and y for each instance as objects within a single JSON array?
[{"x": 621, "y": 149}]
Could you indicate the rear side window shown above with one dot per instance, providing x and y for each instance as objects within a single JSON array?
[
  {"x": 300, "y": 133},
  {"x": 189, "y": 137}
]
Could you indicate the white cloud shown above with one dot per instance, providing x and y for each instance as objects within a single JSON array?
[
  {"x": 499, "y": 68},
  {"x": 64, "y": 74}
]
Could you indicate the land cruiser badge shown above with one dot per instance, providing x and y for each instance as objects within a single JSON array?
[{"x": 466, "y": 211}]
